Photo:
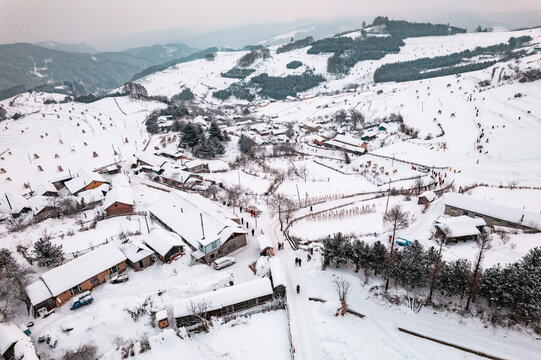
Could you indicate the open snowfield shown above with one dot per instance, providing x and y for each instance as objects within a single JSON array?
[{"x": 330, "y": 196}]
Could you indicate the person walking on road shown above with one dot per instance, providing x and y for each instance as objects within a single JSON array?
[
  {"x": 298, "y": 289},
  {"x": 300, "y": 262}
]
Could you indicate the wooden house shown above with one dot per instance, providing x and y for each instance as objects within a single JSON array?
[
  {"x": 84, "y": 181},
  {"x": 56, "y": 286},
  {"x": 265, "y": 246},
  {"x": 15, "y": 344},
  {"x": 161, "y": 318},
  {"x": 119, "y": 201},
  {"x": 278, "y": 277},
  {"x": 166, "y": 244},
  {"x": 494, "y": 214},
  {"x": 42, "y": 207},
  {"x": 224, "y": 301},
  {"x": 426, "y": 197},
  {"x": 138, "y": 255},
  {"x": 212, "y": 231},
  {"x": 14, "y": 204},
  {"x": 459, "y": 228}
]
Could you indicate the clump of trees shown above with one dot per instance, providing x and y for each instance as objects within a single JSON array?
[
  {"x": 13, "y": 278},
  {"x": 175, "y": 111},
  {"x": 254, "y": 54},
  {"x": 185, "y": 95},
  {"x": 237, "y": 73},
  {"x": 247, "y": 146},
  {"x": 205, "y": 145},
  {"x": 294, "y": 64},
  {"x": 134, "y": 90},
  {"x": 512, "y": 292},
  {"x": 271, "y": 86},
  {"x": 3, "y": 114},
  {"x": 294, "y": 45}
]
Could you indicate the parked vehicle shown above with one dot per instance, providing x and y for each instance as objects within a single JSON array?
[
  {"x": 82, "y": 299},
  {"x": 423, "y": 169},
  {"x": 403, "y": 242},
  {"x": 117, "y": 279},
  {"x": 223, "y": 262},
  {"x": 43, "y": 312}
]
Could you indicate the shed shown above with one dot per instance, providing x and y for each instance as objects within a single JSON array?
[
  {"x": 426, "y": 197},
  {"x": 454, "y": 229},
  {"x": 41, "y": 207},
  {"x": 161, "y": 318},
  {"x": 265, "y": 246},
  {"x": 119, "y": 201},
  {"x": 139, "y": 256},
  {"x": 166, "y": 244}
]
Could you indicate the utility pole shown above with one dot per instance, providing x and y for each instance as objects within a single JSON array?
[
  {"x": 298, "y": 194},
  {"x": 388, "y": 196}
]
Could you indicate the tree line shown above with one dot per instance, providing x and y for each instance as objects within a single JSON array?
[
  {"x": 294, "y": 45},
  {"x": 447, "y": 64},
  {"x": 512, "y": 291},
  {"x": 237, "y": 73},
  {"x": 253, "y": 55}
]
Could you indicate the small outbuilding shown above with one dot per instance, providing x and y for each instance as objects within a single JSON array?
[
  {"x": 265, "y": 246},
  {"x": 14, "y": 344},
  {"x": 161, "y": 318},
  {"x": 119, "y": 201},
  {"x": 139, "y": 256},
  {"x": 277, "y": 276},
  {"x": 426, "y": 197},
  {"x": 459, "y": 228},
  {"x": 166, "y": 244}
]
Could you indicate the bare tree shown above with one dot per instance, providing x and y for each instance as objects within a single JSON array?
[
  {"x": 200, "y": 310},
  {"x": 419, "y": 184},
  {"x": 484, "y": 244},
  {"x": 342, "y": 287},
  {"x": 512, "y": 184},
  {"x": 394, "y": 219},
  {"x": 281, "y": 204}
]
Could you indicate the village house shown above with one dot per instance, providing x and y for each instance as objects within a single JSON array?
[
  {"x": 494, "y": 214},
  {"x": 347, "y": 143},
  {"x": 426, "y": 197},
  {"x": 14, "y": 204},
  {"x": 45, "y": 189},
  {"x": 139, "y": 256},
  {"x": 147, "y": 159},
  {"x": 56, "y": 286},
  {"x": 166, "y": 244},
  {"x": 265, "y": 246},
  {"x": 224, "y": 301},
  {"x": 207, "y": 229},
  {"x": 90, "y": 198},
  {"x": 310, "y": 126},
  {"x": 119, "y": 201},
  {"x": 196, "y": 166},
  {"x": 171, "y": 154},
  {"x": 459, "y": 228},
  {"x": 84, "y": 181},
  {"x": 59, "y": 180},
  {"x": 42, "y": 207},
  {"x": 15, "y": 344},
  {"x": 262, "y": 129}
]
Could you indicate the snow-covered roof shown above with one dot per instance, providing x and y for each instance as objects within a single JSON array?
[
  {"x": 182, "y": 212},
  {"x": 120, "y": 180},
  {"x": 13, "y": 203},
  {"x": 37, "y": 292},
  {"x": 119, "y": 194},
  {"x": 277, "y": 272},
  {"x": 460, "y": 225},
  {"x": 9, "y": 334},
  {"x": 136, "y": 251},
  {"x": 264, "y": 242},
  {"x": 93, "y": 195},
  {"x": 344, "y": 146},
  {"x": 45, "y": 187},
  {"x": 225, "y": 296},
  {"x": 350, "y": 140},
  {"x": 429, "y": 195},
  {"x": 76, "y": 271},
  {"x": 24, "y": 349},
  {"x": 495, "y": 210},
  {"x": 161, "y": 315},
  {"x": 193, "y": 163},
  {"x": 83, "y": 179},
  {"x": 38, "y": 203},
  {"x": 162, "y": 241},
  {"x": 150, "y": 159}
]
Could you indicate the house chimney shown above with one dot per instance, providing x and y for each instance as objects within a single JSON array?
[{"x": 202, "y": 227}]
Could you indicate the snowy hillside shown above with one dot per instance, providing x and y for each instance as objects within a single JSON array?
[{"x": 290, "y": 176}]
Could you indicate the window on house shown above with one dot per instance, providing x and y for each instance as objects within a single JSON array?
[
  {"x": 114, "y": 269},
  {"x": 75, "y": 290}
]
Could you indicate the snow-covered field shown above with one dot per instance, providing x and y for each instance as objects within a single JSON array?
[{"x": 51, "y": 140}]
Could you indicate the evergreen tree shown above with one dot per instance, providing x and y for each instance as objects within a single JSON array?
[
  {"x": 190, "y": 135},
  {"x": 358, "y": 255},
  {"x": 454, "y": 278},
  {"x": 48, "y": 254},
  {"x": 333, "y": 250},
  {"x": 377, "y": 260},
  {"x": 412, "y": 267},
  {"x": 205, "y": 149},
  {"x": 215, "y": 132}
]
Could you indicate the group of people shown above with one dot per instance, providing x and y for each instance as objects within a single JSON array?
[
  {"x": 281, "y": 245},
  {"x": 298, "y": 261}
]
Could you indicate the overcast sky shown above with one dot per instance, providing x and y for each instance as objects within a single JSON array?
[{"x": 73, "y": 21}]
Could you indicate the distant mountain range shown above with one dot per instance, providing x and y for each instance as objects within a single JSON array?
[{"x": 25, "y": 66}]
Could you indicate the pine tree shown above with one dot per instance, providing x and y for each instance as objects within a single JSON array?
[
  {"x": 377, "y": 260},
  {"x": 333, "y": 250},
  {"x": 215, "y": 132},
  {"x": 48, "y": 254},
  {"x": 359, "y": 254},
  {"x": 454, "y": 278},
  {"x": 412, "y": 267},
  {"x": 190, "y": 135}
]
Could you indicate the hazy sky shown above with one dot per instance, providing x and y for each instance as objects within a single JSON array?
[{"x": 78, "y": 20}]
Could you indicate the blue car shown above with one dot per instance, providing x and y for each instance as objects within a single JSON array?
[
  {"x": 82, "y": 299},
  {"x": 403, "y": 242}
]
